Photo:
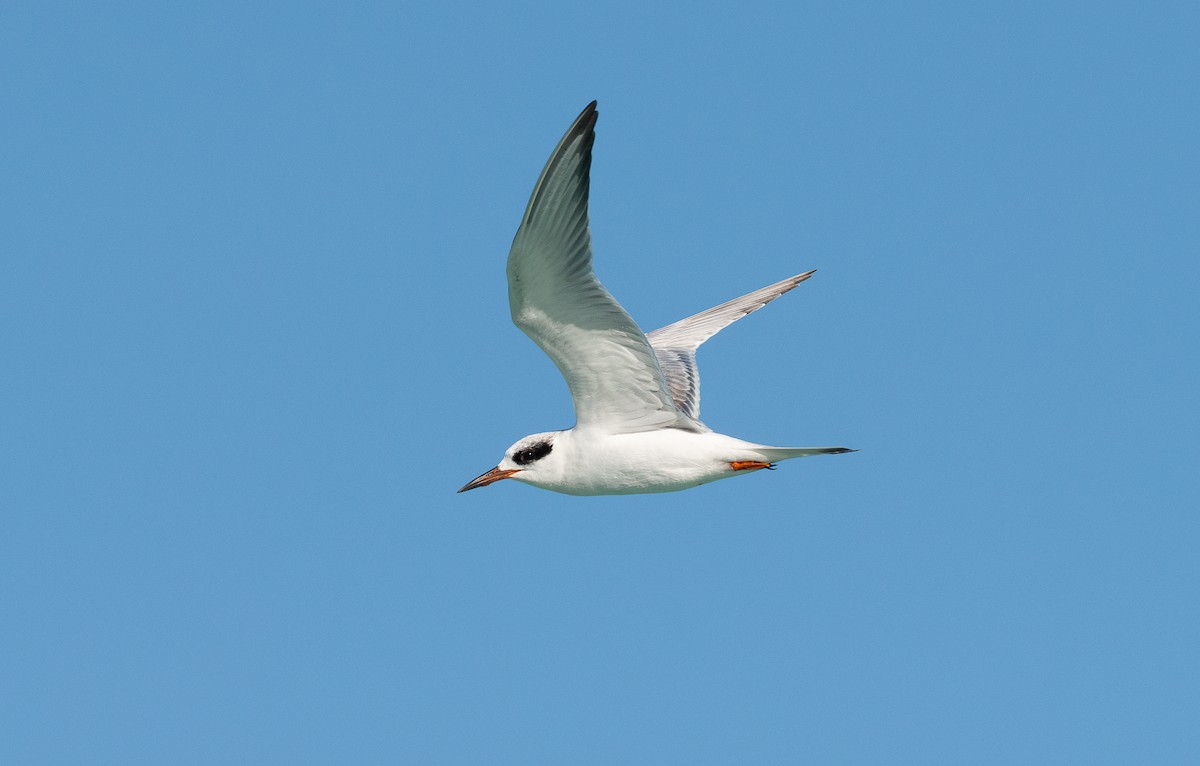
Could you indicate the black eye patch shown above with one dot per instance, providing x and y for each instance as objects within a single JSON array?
[{"x": 530, "y": 454}]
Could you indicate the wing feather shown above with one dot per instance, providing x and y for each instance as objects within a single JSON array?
[
  {"x": 556, "y": 300},
  {"x": 675, "y": 345}
]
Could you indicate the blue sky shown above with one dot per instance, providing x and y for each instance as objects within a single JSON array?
[{"x": 255, "y": 332}]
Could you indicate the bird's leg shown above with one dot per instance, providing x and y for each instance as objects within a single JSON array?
[{"x": 750, "y": 465}]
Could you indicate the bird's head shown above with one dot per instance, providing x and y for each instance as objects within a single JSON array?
[{"x": 522, "y": 461}]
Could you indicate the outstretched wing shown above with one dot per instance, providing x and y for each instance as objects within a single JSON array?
[
  {"x": 557, "y": 301},
  {"x": 675, "y": 345}
]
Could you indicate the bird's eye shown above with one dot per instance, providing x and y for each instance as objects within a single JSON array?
[{"x": 530, "y": 454}]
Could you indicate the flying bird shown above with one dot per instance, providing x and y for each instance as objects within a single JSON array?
[{"x": 636, "y": 395}]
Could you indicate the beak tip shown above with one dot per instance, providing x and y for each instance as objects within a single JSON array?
[{"x": 494, "y": 475}]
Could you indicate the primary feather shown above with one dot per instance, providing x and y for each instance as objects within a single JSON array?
[
  {"x": 556, "y": 299},
  {"x": 675, "y": 345}
]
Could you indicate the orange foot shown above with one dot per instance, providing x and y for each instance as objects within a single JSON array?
[{"x": 749, "y": 465}]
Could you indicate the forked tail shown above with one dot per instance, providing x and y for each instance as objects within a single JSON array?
[{"x": 775, "y": 454}]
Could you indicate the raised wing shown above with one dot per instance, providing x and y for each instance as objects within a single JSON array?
[
  {"x": 557, "y": 301},
  {"x": 675, "y": 345}
]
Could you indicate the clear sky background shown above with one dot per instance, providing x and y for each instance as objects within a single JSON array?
[{"x": 254, "y": 334}]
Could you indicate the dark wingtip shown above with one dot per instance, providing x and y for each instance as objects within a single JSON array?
[
  {"x": 586, "y": 119},
  {"x": 796, "y": 280},
  {"x": 583, "y": 130}
]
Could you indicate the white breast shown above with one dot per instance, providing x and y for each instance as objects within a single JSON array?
[{"x": 665, "y": 460}]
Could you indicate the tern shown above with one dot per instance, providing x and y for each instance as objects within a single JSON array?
[{"x": 636, "y": 395}]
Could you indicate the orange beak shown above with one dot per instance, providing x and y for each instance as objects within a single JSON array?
[{"x": 491, "y": 476}]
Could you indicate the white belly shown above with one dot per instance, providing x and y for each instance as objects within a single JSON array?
[{"x": 653, "y": 461}]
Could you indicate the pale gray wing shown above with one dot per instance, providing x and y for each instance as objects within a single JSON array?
[
  {"x": 557, "y": 301},
  {"x": 675, "y": 345}
]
